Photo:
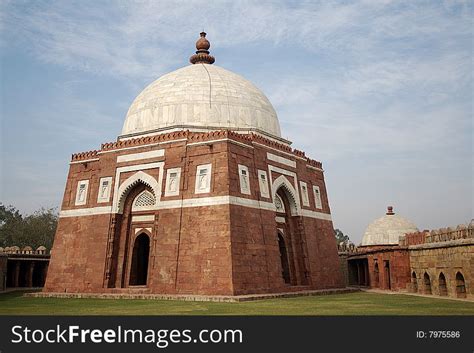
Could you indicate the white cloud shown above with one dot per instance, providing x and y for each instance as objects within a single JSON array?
[
  {"x": 386, "y": 83},
  {"x": 138, "y": 39}
]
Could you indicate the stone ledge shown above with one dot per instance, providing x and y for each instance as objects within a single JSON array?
[{"x": 191, "y": 297}]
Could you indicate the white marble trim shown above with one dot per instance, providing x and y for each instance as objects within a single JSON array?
[
  {"x": 143, "y": 218},
  {"x": 85, "y": 161},
  {"x": 281, "y": 160},
  {"x": 85, "y": 211},
  {"x": 195, "y": 202},
  {"x": 142, "y": 155}
]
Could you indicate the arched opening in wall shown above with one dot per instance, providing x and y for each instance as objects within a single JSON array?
[
  {"x": 386, "y": 267},
  {"x": 353, "y": 272},
  {"x": 287, "y": 215},
  {"x": 427, "y": 283},
  {"x": 121, "y": 269},
  {"x": 414, "y": 283},
  {"x": 443, "y": 289},
  {"x": 140, "y": 254},
  {"x": 376, "y": 275},
  {"x": 285, "y": 266},
  {"x": 460, "y": 286},
  {"x": 284, "y": 197}
]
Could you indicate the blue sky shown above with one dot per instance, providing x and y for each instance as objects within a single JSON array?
[{"x": 379, "y": 91}]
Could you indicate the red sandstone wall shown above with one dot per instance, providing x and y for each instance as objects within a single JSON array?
[
  {"x": 322, "y": 253},
  {"x": 78, "y": 255},
  {"x": 255, "y": 251},
  {"x": 225, "y": 249},
  {"x": 399, "y": 269},
  {"x": 191, "y": 252}
]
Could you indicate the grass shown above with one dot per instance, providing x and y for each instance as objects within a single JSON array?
[{"x": 359, "y": 303}]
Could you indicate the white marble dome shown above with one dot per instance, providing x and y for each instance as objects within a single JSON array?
[
  {"x": 201, "y": 96},
  {"x": 387, "y": 229}
]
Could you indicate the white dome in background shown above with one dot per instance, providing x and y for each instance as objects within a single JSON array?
[
  {"x": 387, "y": 229},
  {"x": 201, "y": 96}
]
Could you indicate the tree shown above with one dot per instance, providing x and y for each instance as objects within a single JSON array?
[
  {"x": 340, "y": 236},
  {"x": 11, "y": 225},
  {"x": 33, "y": 230}
]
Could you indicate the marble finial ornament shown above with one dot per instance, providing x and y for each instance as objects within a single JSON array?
[{"x": 202, "y": 54}]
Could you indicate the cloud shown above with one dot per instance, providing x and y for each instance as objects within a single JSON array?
[
  {"x": 386, "y": 107},
  {"x": 138, "y": 39},
  {"x": 377, "y": 90}
]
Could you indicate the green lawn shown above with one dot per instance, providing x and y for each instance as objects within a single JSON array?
[{"x": 359, "y": 303}]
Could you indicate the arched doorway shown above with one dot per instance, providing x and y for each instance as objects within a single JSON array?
[
  {"x": 414, "y": 283},
  {"x": 376, "y": 274},
  {"x": 285, "y": 266},
  {"x": 443, "y": 289},
  {"x": 139, "y": 267},
  {"x": 386, "y": 266},
  {"x": 427, "y": 283},
  {"x": 460, "y": 286},
  {"x": 122, "y": 261},
  {"x": 290, "y": 225}
]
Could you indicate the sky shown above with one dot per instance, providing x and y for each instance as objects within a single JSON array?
[{"x": 380, "y": 92}]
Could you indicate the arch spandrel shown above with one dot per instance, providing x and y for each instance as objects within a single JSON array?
[
  {"x": 283, "y": 183},
  {"x": 130, "y": 183}
]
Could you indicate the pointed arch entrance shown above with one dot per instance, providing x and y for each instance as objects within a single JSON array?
[
  {"x": 414, "y": 283},
  {"x": 131, "y": 238},
  {"x": 386, "y": 267},
  {"x": 140, "y": 256},
  {"x": 442, "y": 288},
  {"x": 460, "y": 286},
  {"x": 427, "y": 283},
  {"x": 292, "y": 250}
]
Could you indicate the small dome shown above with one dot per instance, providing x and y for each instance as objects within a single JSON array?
[
  {"x": 1, "y": 249},
  {"x": 204, "y": 97},
  {"x": 387, "y": 229},
  {"x": 41, "y": 248}
]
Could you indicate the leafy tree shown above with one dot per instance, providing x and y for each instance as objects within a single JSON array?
[
  {"x": 11, "y": 225},
  {"x": 33, "y": 230},
  {"x": 340, "y": 236}
]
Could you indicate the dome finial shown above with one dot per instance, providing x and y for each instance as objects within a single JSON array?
[
  {"x": 202, "y": 54},
  {"x": 390, "y": 211}
]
